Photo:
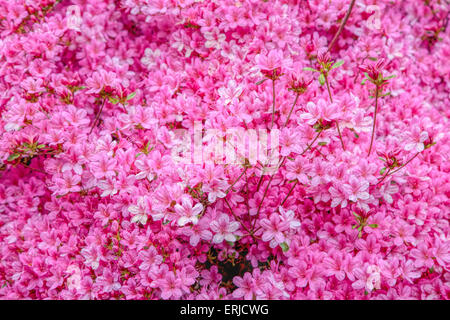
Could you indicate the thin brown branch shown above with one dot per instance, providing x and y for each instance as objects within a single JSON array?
[{"x": 341, "y": 27}]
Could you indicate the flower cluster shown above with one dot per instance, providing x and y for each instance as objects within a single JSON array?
[{"x": 94, "y": 205}]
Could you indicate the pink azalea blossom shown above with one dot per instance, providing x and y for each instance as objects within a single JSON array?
[
  {"x": 187, "y": 212},
  {"x": 224, "y": 229}
]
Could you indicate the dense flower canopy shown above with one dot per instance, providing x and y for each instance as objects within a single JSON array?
[{"x": 95, "y": 97}]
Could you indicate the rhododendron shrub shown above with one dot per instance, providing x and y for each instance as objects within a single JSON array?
[{"x": 98, "y": 100}]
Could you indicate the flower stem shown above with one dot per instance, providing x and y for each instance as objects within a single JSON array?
[
  {"x": 374, "y": 120},
  {"x": 267, "y": 189},
  {"x": 98, "y": 115},
  {"x": 310, "y": 145},
  {"x": 273, "y": 120},
  {"x": 337, "y": 122},
  {"x": 292, "y": 109},
  {"x": 401, "y": 167},
  {"x": 259, "y": 182},
  {"x": 341, "y": 27},
  {"x": 246, "y": 196},
  {"x": 289, "y": 193},
  {"x": 240, "y": 176},
  {"x": 237, "y": 218},
  {"x": 383, "y": 177},
  {"x": 273, "y": 103}
]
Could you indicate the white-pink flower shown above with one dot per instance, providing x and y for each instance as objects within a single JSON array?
[
  {"x": 357, "y": 189},
  {"x": 230, "y": 93},
  {"x": 187, "y": 212},
  {"x": 224, "y": 229},
  {"x": 416, "y": 140},
  {"x": 139, "y": 211}
]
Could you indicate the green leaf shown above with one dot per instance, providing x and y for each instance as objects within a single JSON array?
[
  {"x": 356, "y": 135},
  {"x": 260, "y": 82},
  {"x": 364, "y": 81},
  {"x": 373, "y": 225},
  {"x": 310, "y": 69},
  {"x": 390, "y": 77},
  {"x": 356, "y": 216},
  {"x": 322, "y": 143},
  {"x": 322, "y": 79},
  {"x": 131, "y": 95},
  {"x": 284, "y": 246},
  {"x": 360, "y": 228},
  {"x": 354, "y": 226},
  {"x": 13, "y": 156},
  {"x": 337, "y": 64},
  {"x": 382, "y": 171},
  {"x": 231, "y": 244},
  {"x": 113, "y": 100},
  {"x": 41, "y": 146}
]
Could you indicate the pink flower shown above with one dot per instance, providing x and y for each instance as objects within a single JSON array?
[
  {"x": 101, "y": 80},
  {"x": 231, "y": 93},
  {"x": 313, "y": 114},
  {"x": 288, "y": 216},
  {"x": 423, "y": 255},
  {"x": 69, "y": 182},
  {"x": 274, "y": 229},
  {"x": 108, "y": 281},
  {"x": 271, "y": 61},
  {"x": 357, "y": 189},
  {"x": 139, "y": 211},
  {"x": 187, "y": 212},
  {"x": 150, "y": 259},
  {"x": 224, "y": 229},
  {"x": 416, "y": 140},
  {"x": 297, "y": 169},
  {"x": 374, "y": 70},
  {"x": 339, "y": 195},
  {"x": 214, "y": 39},
  {"x": 216, "y": 189},
  {"x": 369, "y": 279},
  {"x": 170, "y": 286},
  {"x": 404, "y": 233},
  {"x": 245, "y": 287},
  {"x": 288, "y": 142}
]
